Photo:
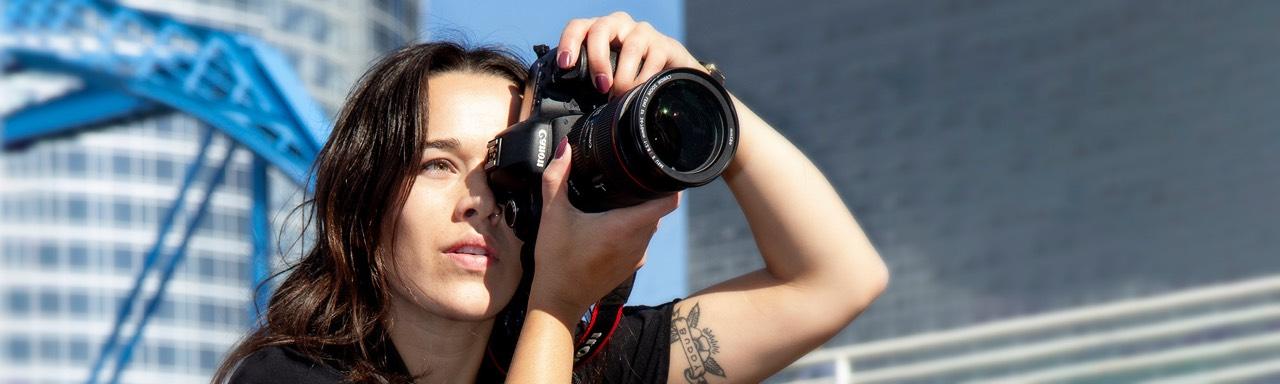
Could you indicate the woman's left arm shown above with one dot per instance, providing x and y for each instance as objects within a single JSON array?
[{"x": 820, "y": 271}]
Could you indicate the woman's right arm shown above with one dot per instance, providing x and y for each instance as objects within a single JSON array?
[
  {"x": 544, "y": 353},
  {"x": 568, "y": 248}
]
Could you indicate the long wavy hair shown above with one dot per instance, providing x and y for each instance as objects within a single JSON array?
[{"x": 332, "y": 306}]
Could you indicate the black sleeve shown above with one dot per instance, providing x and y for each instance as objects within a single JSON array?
[
  {"x": 283, "y": 365},
  {"x": 638, "y": 352}
]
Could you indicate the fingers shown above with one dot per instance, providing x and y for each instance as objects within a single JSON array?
[
  {"x": 571, "y": 41},
  {"x": 643, "y": 51},
  {"x": 600, "y": 36},
  {"x": 635, "y": 49},
  {"x": 555, "y": 176},
  {"x": 647, "y": 213},
  {"x": 603, "y": 35},
  {"x": 655, "y": 62}
]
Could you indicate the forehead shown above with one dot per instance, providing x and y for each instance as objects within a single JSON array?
[{"x": 467, "y": 105}]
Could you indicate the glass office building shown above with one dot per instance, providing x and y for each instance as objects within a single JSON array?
[
  {"x": 1071, "y": 185},
  {"x": 79, "y": 212}
]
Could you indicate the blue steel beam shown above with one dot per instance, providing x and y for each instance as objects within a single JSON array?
[
  {"x": 126, "y": 353},
  {"x": 126, "y": 306},
  {"x": 236, "y": 83},
  {"x": 65, "y": 113},
  {"x": 261, "y": 261}
]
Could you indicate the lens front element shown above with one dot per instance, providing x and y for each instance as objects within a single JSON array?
[
  {"x": 682, "y": 123},
  {"x": 678, "y": 130}
]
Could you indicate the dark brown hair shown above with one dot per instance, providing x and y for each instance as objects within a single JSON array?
[{"x": 331, "y": 307}]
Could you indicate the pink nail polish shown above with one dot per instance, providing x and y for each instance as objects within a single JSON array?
[
  {"x": 602, "y": 83},
  {"x": 564, "y": 142},
  {"x": 563, "y": 59}
]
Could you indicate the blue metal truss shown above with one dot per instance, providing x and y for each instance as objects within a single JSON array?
[{"x": 134, "y": 62}]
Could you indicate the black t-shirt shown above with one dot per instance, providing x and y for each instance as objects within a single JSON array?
[{"x": 638, "y": 352}]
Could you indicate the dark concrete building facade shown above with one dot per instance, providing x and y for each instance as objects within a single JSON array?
[{"x": 1013, "y": 158}]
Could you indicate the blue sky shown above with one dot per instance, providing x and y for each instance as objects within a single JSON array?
[{"x": 521, "y": 25}]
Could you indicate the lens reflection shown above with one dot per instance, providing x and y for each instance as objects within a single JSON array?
[{"x": 682, "y": 124}]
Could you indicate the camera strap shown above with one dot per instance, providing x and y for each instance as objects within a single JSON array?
[
  {"x": 605, "y": 316},
  {"x": 593, "y": 334}
]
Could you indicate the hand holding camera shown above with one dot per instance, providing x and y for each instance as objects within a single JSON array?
[
  {"x": 626, "y": 156},
  {"x": 589, "y": 215},
  {"x": 642, "y": 51},
  {"x": 582, "y": 256},
  {"x": 676, "y": 129}
]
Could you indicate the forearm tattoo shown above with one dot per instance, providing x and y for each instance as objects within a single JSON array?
[{"x": 698, "y": 344}]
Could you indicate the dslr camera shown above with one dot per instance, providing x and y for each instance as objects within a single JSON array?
[{"x": 676, "y": 130}]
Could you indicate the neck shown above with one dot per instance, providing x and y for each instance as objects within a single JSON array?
[{"x": 437, "y": 349}]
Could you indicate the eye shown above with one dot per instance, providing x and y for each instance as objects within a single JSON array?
[{"x": 437, "y": 166}]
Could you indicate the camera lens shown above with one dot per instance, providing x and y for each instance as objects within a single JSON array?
[
  {"x": 676, "y": 131},
  {"x": 683, "y": 119}
]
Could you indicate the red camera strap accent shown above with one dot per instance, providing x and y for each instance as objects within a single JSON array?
[
  {"x": 594, "y": 334},
  {"x": 605, "y": 317}
]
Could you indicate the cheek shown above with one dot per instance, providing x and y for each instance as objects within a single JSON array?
[{"x": 414, "y": 240}]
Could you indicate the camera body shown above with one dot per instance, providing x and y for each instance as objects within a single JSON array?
[{"x": 676, "y": 130}]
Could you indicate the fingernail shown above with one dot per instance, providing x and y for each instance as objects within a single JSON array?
[
  {"x": 564, "y": 142},
  {"x": 602, "y": 83},
  {"x": 563, "y": 59}
]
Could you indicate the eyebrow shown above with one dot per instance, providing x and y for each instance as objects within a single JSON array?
[{"x": 444, "y": 144}]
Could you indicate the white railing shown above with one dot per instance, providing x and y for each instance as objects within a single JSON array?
[{"x": 844, "y": 359}]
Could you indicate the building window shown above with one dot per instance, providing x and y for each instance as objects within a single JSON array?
[
  {"x": 122, "y": 165},
  {"x": 164, "y": 126},
  {"x": 26, "y": 212},
  {"x": 79, "y": 302},
  {"x": 123, "y": 212},
  {"x": 205, "y": 225},
  {"x": 48, "y": 256},
  {"x": 207, "y": 313},
  {"x": 49, "y": 303},
  {"x": 166, "y": 310},
  {"x": 76, "y": 163},
  {"x": 168, "y": 356},
  {"x": 79, "y": 350},
  {"x": 50, "y": 349},
  {"x": 240, "y": 175},
  {"x": 205, "y": 267},
  {"x": 19, "y": 350},
  {"x": 19, "y": 302},
  {"x": 123, "y": 258},
  {"x": 322, "y": 76},
  {"x": 208, "y": 358},
  {"x": 241, "y": 269},
  {"x": 319, "y": 28},
  {"x": 78, "y": 209},
  {"x": 78, "y": 256},
  {"x": 14, "y": 254},
  {"x": 165, "y": 170}
]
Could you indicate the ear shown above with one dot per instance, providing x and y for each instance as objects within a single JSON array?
[{"x": 526, "y": 103}]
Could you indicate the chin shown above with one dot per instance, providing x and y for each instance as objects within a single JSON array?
[{"x": 470, "y": 303}]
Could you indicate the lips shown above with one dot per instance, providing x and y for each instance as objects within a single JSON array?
[{"x": 472, "y": 253}]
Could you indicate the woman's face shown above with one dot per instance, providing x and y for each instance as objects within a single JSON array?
[{"x": 454, "y": 257}]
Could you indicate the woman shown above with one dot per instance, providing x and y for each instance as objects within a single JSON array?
[{"x": 413, "y": 261}]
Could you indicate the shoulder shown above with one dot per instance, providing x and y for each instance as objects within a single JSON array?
[
  {"x": 642, "y": 322},
  {"x": 280, "y": 364}
]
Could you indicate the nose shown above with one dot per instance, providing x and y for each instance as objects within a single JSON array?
[{"x": 477, "y": 201}]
